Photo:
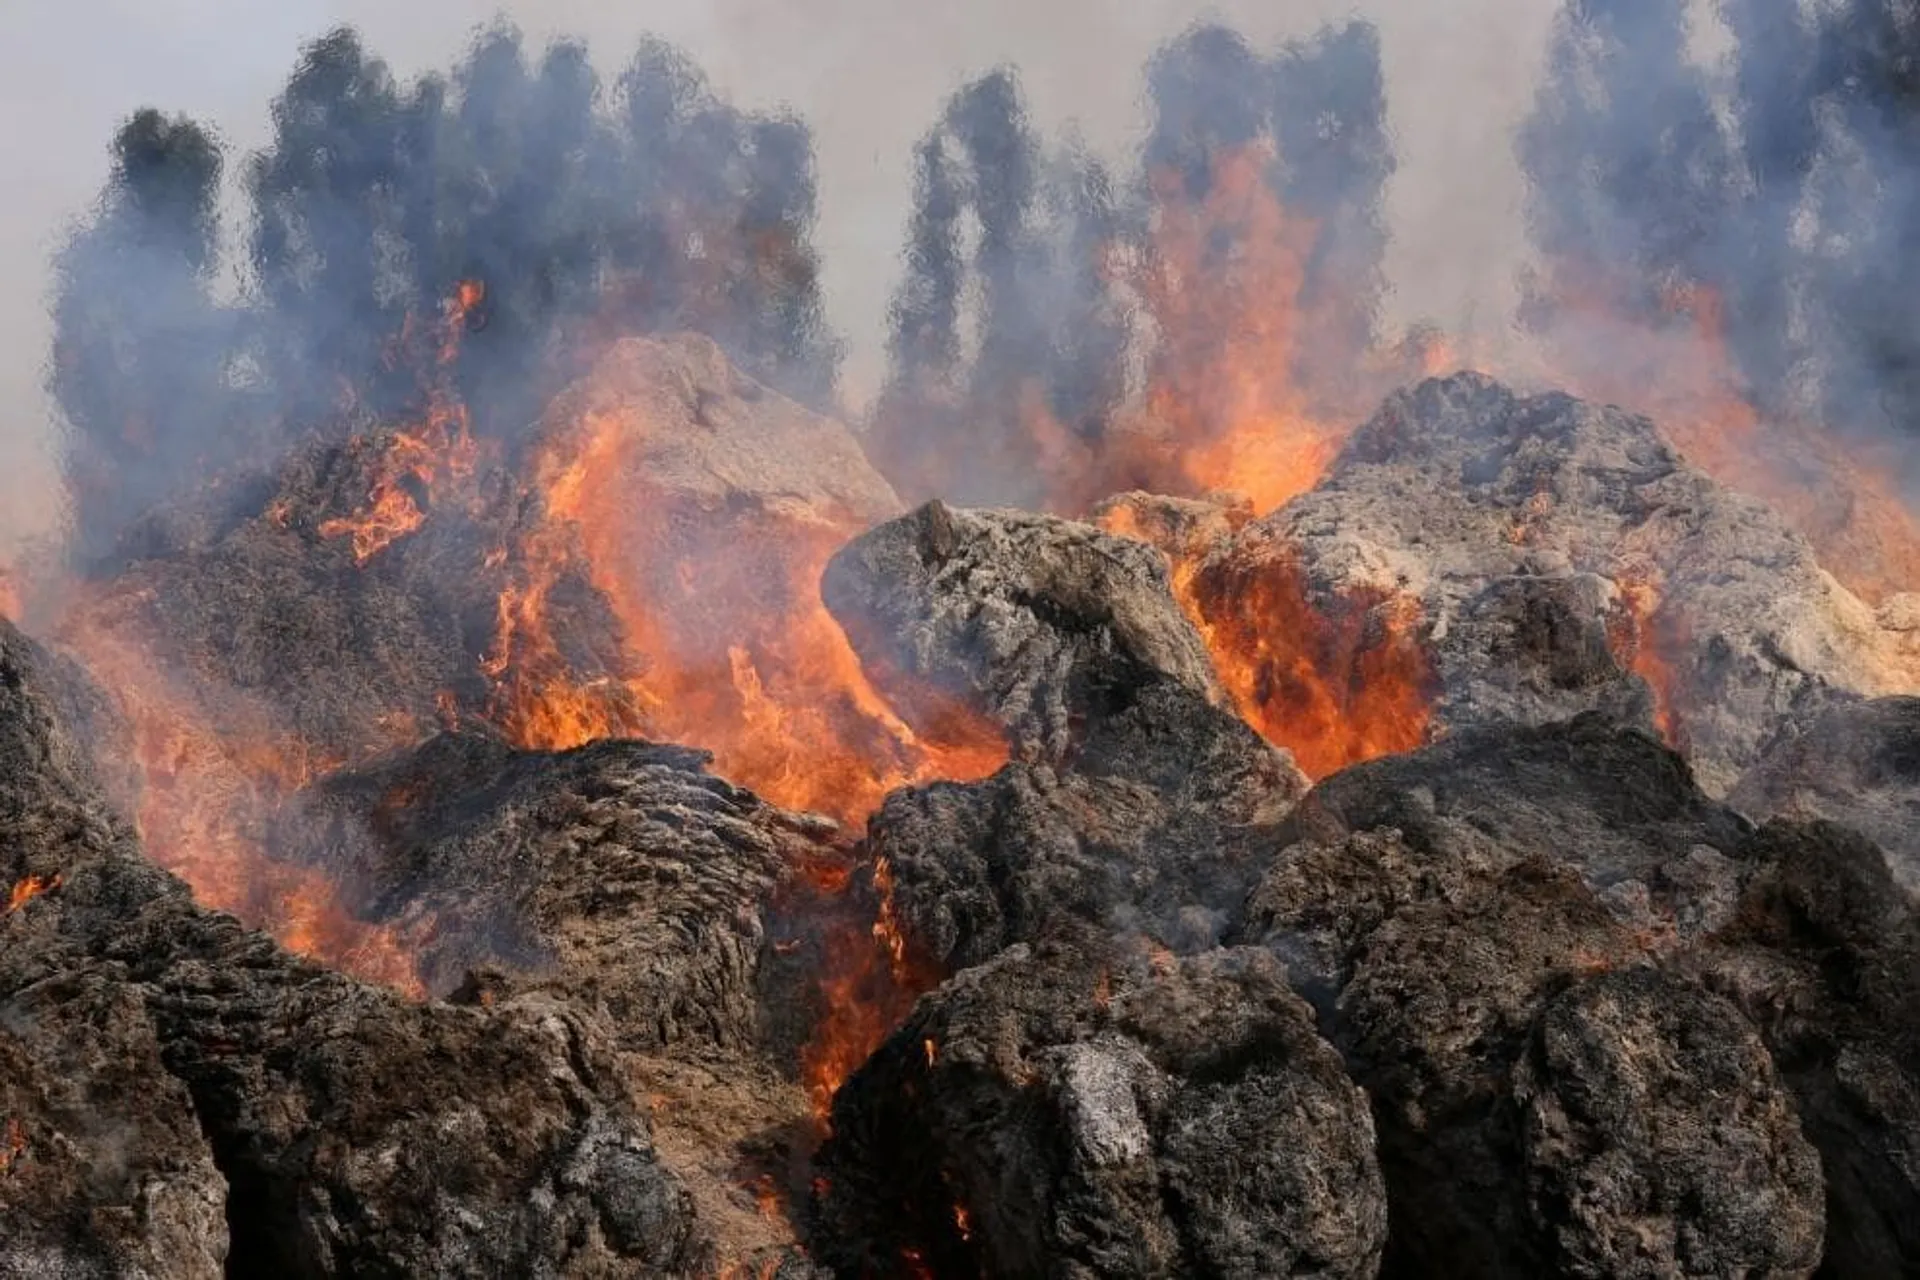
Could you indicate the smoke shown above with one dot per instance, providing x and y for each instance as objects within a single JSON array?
[
  {"x": 868, "y": 78},
  {"x": 574, "y": 213},
  {"x": 1047, "y": 296},
  {"x": 1768, "y": 195}
]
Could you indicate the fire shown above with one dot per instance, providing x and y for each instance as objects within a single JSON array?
[
  {"x": 9, "y": 595},
  {"x": 766, "y": 1197},
  {"x": 872, "y": 978},
  {"x": 391, "y": 512},
  {"x": 1636, "y": 638},
  {"x": 962, "y": 1221},
  {"x": 1333, "y": 690},
  {"x": 28, "y": 888},
  {"x": 723, "y": 641},
  {"x": 1222, "y": 383},
  {"x": 13, "y": 1145},
  {"x": 410, "y": 462},
  {"x": 205, "y": 796}
]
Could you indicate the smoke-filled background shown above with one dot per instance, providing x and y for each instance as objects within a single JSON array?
[
  {"x": 1014, "y": 237},
  {"x": 868, "y": 79}
]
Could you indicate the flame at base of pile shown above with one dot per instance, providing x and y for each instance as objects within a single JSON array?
[
  {"x": 1334, "y": 686},
  {"x": 202, "y": 796}
]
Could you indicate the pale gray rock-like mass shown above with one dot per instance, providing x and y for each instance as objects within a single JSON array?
[
  {"x": 1522, "y": 526},
  {"x": 1857, "y": 764},
  {"x": 1043, "y": 622}
]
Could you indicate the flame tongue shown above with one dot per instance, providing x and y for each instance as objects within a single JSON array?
[
  {"x": 1335, "y": 687},
  {"x": 722, "y": 638},
  {"x": 28, "y": 888},
  {"x": 409, "y": 462},
  {"x": 206, "y": 790},
  {"x": 1638, "y": 637}
]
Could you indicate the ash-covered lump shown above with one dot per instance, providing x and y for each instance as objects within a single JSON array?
[
  {"x": 1161, "y": 825},
  {"x": 1857, "y": 764},
  {"x": 622, "y": 874},
  {"x": 1059, "y": 1112},
  {"x": 1526, "y": 528},
  {"x": 1039, "y": 622}
]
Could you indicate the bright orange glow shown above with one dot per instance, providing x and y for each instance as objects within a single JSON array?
[
  {"x": 1637, "y": 640},
  {"x": 1222, "y": 388},
  {"x": 28, "y": 888},
  {"x": 723, "y": 641},
  {"x": 871, "y": 980},
  {"x": 9, "y": 595},
  {"x": 1334, "y": 691},
  {"x": 411, "y": 461},
  {"x": 205, "y": 795},
  {"x": 206, "y": 791}
]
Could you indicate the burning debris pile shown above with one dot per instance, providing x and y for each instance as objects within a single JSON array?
[
  {"x": 1402, "y": 997},
  {"x": 544, "y": 804}
]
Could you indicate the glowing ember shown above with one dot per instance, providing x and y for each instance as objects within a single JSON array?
[
  {"x": 962, "y": 1221},
  {"x": 1637, "y": 642},
  {"x": 30, "y": 887},
  {"x": 766, "y": 1197}
]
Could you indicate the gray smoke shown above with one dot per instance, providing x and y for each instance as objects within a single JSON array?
[
  {"x": 1784, "y": 178},
  {"x": 652, "y": 205},
  {"x": 867, "y": 77}
]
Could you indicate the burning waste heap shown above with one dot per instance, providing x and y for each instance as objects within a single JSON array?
[{"x": 511, "y": 783}]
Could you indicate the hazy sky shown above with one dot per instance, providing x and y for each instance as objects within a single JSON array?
[{"x": 869, "y": 75}]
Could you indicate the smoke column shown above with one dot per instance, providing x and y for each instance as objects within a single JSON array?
[{"x": 1456, "y": 84}]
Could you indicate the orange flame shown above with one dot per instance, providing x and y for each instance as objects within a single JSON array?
[
  {"x": 9, "y": 595},
  {"x": 28, "y": 888},
  {"x": 869, "y": 985},
  {"x": 727, "y": 646},
  {"x": 1222, "y": 409},
  {"x": 1231, "y": 330},
  {"x": 1636, "y": 637},
  {"x": 1334, "y": 691},
  {"x": 205, "y": 797},
  {"x": 14, "y": 1145},
  {"x": 412, "y": 461}
]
